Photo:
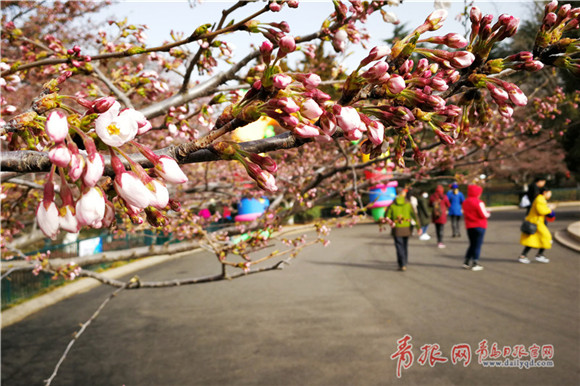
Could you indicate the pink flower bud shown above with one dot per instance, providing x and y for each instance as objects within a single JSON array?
[
  {"x": 310, "y": 109},
  {"x": 376, "y": 132},
  {"x": 281, "y": 80},
  {"x": 265, "y": 162},
  {"x": 47, "y": 218},
  {"x": 444, "y": 138},
  {"x": 266, "y": 51},
  {"x": 289, "y": 121},
  {"x": 376, "y": 71},
  {"x": 353, "y": 135},
  {"x": 77, "y": 166},
  {"x": 306, "y": 130},
  {"x": 319, "y": 96},
  {"x": 293, "y": 3},
  {"x": 454, "y": 40},
  {"x": 60, "y": 155},
  {"x": 551, "y": 6},
  {"x": 159, "y": 194},
  {"x": 439, "y": 84},
  {"x": 506, "y": 111},
  {"x": 101, "y": 105},
  {"x": 67, "y": 219},
  {"x": 376, "y": 53},
  {"x": 347, "y": 118},
  {"x": 328, "y": 123},
  {"x": 419, "y": 156},
  {"x": 94, "y": 169},
  {"x": 517, "y": 97},
  {"x": 285, "y": 104},
  {"x": 132, "y": 189},
  {"x": 550, "y": 19},
  {"x": 264, "y": 179},
  {"x": 396, "y": 84},
  {"x": 462, "y": 59},
  {"x": 90, "y": 208},
  {"x": 563, "y": 11},
  {"x": 287, "y": 44},
  {"x": 499, "y": 95},
  {"x": 475, "y": 15},
  {"x": 310, "y": 81},
  {"x": 56, "y": 126},
  {"x": 170, "y": 171},
  {"x": 436, "y": 19},
  {"x": 274, "y": 7},
  {"x": 534, "y": 65}
]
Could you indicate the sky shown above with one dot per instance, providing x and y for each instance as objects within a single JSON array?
[{"x": 162, "y": 17}]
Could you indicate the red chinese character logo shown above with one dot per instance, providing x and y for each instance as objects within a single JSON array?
[
  {"x": 494, "y": 352},
  {"x": 482, "y": 352},
  {"x": 404, "y": 354},
  {"x": 461, "y": 352},
  {"x": 507, "y": 350},
  {"x": 547, "y": 351},
  {"x": 432, "y": 353},
  {"x": 534, "y": 351},
  {"x": 520, "y": 351}
]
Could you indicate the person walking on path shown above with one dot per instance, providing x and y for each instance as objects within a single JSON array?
[
  {"x": 456, "y": 199},
  {"x": 475, "y": 216},
  {"x": 399, "y": 216},
  {"x": 439, "y": 204},
  {"x": 542, "y": 238},
  {"x": 423, "y": 214},
  {"x": 533, "y": 191}
]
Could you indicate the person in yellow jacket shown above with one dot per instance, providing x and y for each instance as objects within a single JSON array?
[{"x": 542, "y": 239}]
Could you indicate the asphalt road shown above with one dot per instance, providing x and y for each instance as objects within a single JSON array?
[{"x": 331, "y": 318}]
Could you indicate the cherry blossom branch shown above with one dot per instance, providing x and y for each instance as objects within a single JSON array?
[
  {"x": 84, "y": 326},
  {"x": 225, "y": 13},
  {"x": 204, "y": 89}
]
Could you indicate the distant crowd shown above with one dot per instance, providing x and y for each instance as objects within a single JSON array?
[{"x": 416, "y": 210}]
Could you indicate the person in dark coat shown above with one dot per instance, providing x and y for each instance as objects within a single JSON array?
[{"x": 439, "y": 204}]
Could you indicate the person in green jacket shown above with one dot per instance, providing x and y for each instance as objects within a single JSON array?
[{"x": 399, "y": 217}]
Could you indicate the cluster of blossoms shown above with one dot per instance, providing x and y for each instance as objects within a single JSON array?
[
  {"x": 549, "y": 42},
  {"x": 407, "y": 91},
  {"x": 260, "y": 168},
  {"x": 83, "y": 202},
  {"x": 390, "y": 96}
]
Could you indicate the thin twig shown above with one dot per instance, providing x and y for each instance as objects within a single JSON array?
[
  {"x": 118, "y": 93},
  {"x": 80, "y": 332}
]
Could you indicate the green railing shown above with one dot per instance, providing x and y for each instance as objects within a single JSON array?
[{"x": 22, "y": 285}]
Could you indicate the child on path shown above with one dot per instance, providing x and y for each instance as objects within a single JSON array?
[{"x": 476, "y": 217}]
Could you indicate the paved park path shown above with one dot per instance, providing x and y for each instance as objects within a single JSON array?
[{"x": 331, "y": 318}]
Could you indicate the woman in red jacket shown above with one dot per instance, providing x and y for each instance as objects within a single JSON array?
[
  {"x": 439, "y": 203},
  {"x": 475, "y": 216}
]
